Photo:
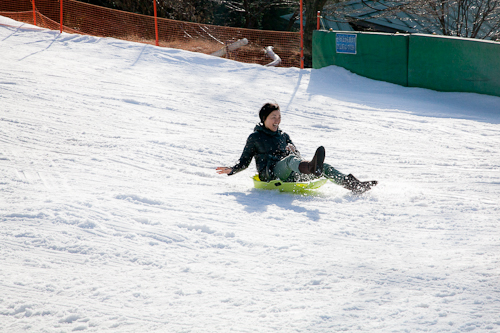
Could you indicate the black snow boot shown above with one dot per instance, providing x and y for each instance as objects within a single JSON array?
[
  {"x": 352, "y": 183},
  {"x": 316, "y": 165}
]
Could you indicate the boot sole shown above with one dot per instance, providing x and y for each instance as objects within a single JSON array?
[{"x": 319, "y": 158}]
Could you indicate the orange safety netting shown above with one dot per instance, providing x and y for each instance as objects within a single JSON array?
[{"x": 79, "y": 17}]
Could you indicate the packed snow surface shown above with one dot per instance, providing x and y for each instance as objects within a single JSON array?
[{"x": 113, "y": 219}]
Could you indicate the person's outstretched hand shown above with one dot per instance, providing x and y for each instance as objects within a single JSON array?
[{"x": 224, "y": 170}]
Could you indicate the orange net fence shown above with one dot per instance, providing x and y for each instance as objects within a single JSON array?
[{"x": 82, "y": 18}]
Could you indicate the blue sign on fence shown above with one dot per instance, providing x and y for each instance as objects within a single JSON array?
[{"x": 346, "y": 43}]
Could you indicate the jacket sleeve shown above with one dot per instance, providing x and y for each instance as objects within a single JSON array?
[{"x": 246, "y": 157}]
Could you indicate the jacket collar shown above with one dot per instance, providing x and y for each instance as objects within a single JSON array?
[{"x": 265, "y": 130}]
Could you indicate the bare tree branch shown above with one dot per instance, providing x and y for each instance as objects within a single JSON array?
[{"x": 464, "y": 18}]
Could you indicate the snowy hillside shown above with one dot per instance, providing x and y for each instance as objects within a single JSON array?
[{"x": 113, "y": 219}]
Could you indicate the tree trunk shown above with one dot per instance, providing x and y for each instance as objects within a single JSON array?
[{"x": 312, "y": 7}]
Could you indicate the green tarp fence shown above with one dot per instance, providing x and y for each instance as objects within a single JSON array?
[{"x": 433, "y": 62}]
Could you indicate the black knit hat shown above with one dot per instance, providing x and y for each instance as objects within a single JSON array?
[{"x": 266, "y": 109}]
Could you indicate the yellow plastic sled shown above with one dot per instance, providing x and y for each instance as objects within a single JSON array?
[{"x": 297, "y": 187}]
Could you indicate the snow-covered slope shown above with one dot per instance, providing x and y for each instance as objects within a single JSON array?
[{"x": 112, "y": 218}]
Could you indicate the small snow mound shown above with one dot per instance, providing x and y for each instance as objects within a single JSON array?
[{"x": 138, "y": 199}]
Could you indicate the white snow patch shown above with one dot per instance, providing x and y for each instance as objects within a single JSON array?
[{"x": 113, "y": 218}]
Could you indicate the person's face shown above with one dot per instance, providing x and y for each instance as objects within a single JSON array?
[{"x": 273, "y": 120}]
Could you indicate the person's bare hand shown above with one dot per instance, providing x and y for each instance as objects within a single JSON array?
[
  {"x": 291, "y": 148},
  {"x": 224, "y": 170}
]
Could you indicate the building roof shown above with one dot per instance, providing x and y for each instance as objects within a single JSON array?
[{"x": 368, "y": 15}]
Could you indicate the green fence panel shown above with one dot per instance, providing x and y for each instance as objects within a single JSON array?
[
  {"x": 377, "y": 56},
  {"x": 454, "y": 64},
  {"x": 323, "y": 49},
  {"x": 433, "y": 62}
]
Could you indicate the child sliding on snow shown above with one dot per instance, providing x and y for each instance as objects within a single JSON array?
[{"x": 277, "y": 157}]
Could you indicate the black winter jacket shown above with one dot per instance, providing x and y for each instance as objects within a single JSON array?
[{"x": 267, "y": 147}]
